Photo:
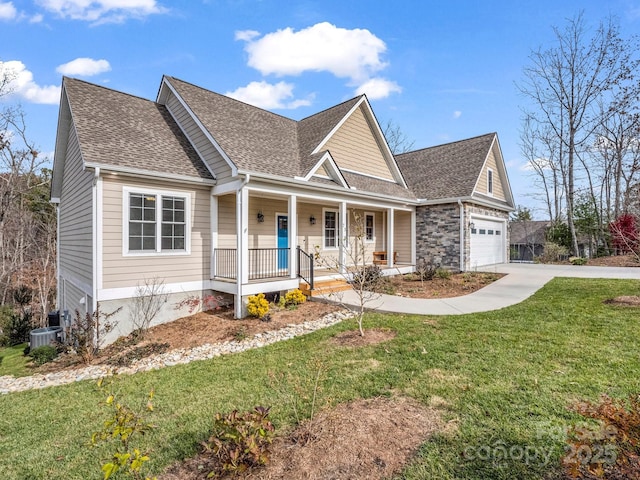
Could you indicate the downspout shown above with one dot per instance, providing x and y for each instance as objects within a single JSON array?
[
  {"x": 462, "y": 245},
  {"x": 95, "y": 242}
]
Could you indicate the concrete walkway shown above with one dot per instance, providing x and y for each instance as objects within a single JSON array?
[{"x": 522, "y": 281}]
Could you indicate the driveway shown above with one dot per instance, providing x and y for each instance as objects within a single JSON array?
[{"x": 522, "y": 281}]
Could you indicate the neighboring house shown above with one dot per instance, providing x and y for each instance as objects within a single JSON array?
[
  {"x": 527, "y": 239},
  {"x": 209, "y": 194},
  {"x": 464, "y": 202}
]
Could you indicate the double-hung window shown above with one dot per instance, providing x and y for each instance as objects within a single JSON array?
[
  {"x": 369, "y": 227},
  {"x": 490, "y": 182},
  {"x": 155, "y": 222},
  {"x": 331, "y": 229}
]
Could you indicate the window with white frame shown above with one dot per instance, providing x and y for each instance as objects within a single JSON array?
[
  {"x": 369, "y": 227},
  {"x": 490, "y": 181},
  {"x": 330, "y": 233},
  {"x": 156, "y": 222}
]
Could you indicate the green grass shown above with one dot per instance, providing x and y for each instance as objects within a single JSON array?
[
  {"x": 506, "y": 379},
  {"x": 13, "y": 362}
]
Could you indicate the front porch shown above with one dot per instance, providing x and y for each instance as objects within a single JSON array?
[{"x": 265, "y": 241}]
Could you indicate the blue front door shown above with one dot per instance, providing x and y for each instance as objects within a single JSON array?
[{"x": 283, "y": 241}]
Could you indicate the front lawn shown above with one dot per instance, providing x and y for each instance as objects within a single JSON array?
[
  {"x": 502, "y": 379},
  {"x": 13, "y": 361}
]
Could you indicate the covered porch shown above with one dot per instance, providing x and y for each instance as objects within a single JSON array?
[{"x": 265, "y": 241}]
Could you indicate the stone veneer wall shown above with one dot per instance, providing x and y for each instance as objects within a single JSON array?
[
  {"x": 472, "y": 209},
  {"x": 438, "y": 234}
]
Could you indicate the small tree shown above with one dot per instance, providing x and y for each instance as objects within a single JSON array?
[
  {"x": 625, "y": 235},
  {"x": 359, "y": 274},
  {"x": 87, "y": 332},
  {"x": 147, "y": 303}
]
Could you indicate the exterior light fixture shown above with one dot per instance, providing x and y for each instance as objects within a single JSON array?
[
  {"x": 260, "y": 216},
  {"x": 312, "y": 220}
]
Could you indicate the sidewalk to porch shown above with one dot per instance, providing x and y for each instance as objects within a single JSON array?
[{"x": 521, "y": 281}]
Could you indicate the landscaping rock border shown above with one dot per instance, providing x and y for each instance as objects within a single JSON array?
[{"x": 10, "y": 384}]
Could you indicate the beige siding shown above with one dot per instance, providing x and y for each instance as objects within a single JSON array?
[
  {"x": 128, "y": 271},
  {"x": 321, "y": 171},
  {"x": 402, "y": 237},
  {"x": 203, "y": 145},
  {"x": 76, "y": 229},
  {"x": 263, "y": 234},
  {"x": 354, "y": 147},
  {"x": 498, "y": 189},
  {"x": 227, "y": 221}
]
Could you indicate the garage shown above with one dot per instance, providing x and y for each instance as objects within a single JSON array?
[{"x": 487, "y": 242}]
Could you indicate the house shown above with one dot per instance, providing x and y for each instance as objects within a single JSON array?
[
  {"x": 208, "y": 194},
  {"x": 527, "y": 239},
  {"x": 464, "y": 200}
]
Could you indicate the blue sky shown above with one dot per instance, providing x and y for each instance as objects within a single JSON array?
[{"x": 442, "y": 71}]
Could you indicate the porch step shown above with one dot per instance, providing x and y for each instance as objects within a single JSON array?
[{"x": 324, "y": 287}]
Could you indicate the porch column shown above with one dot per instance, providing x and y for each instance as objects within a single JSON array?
[
  {"x": 293, "y": 235},
  {"x": 390, "y": 235},
  {"x": 414, "y": 259},
  {"x": 213, "y": 218},
  {"x": 344, "y": 238},
  {"x": 242, "y": 247}
]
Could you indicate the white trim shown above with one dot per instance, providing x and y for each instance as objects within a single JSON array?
[
  {"x": 292, "y": 225},
  {"x": 332, "y": 199},
  {"x": 343, "y": 237},
  {"x": 337, "y": 228},
  {"x": 224, "y": 188},
  {"x": 138, "y": 172},
  {"x": 98, "y": 243},
  {"x": 130, "y": 292},
  {"x": 373, "y": 229},
  {"x": 54, "y": 200},
  {"x": 126, "y": 191},
  {"x": 390, "y": 234},
  {"x": 234, "y": 168}
]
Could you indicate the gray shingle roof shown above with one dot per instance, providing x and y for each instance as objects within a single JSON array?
[
  {"x": 446, "y": 171},
  {"x": 254, "y": 139},
  {"x": 121, "y": 130}
]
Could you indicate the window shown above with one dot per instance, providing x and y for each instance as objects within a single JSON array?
[
  {"x": 489, "y": 232},
  {"x": 330, "y": 229},
  {"x": 369, "y": 222},
  {"x": 482, "y": 231},
  {"x": 490, "y": 181},
  {"x": 497, "y": 232},
  {"x": 155, "y": 222}
]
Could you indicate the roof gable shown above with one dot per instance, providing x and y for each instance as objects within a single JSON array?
[
  {"x": 127, "y": 133},
  {"x": 446, "y": 171}
]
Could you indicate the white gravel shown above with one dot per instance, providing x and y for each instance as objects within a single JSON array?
[{"x": 9, "y": 383}]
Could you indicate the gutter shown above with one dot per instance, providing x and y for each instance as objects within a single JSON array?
[{"x": 134, "y": 172}]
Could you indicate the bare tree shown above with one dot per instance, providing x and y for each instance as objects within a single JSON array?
[
  {"x": 565, "y": 84},
  {"x": 147, "y": 302},
  {"x": 397, "y": 140}
]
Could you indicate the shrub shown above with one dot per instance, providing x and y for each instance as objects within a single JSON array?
[
  {"x": 578, "y": 261},
  {"x": 5, "y": 317},
  {"x": 294, "y": 297},
  {"x": 240, "y": 441},
  {"x": 553, "y": 253},
  {"x": 43, "y": 354},
  {"x": 120, "y": 428},
  {"x": 18, "y": 328},
  {"x": 257, "y": 305},
  {"x": 426, "y": 270},
  {"x": 610, "y": 451},
  {"x": 367, "y": 278},
  {"x": 443, "y": 273},
  {"x": 87, "y": 332}
]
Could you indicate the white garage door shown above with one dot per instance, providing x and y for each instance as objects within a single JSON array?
[{"x": 487, "y": 242}]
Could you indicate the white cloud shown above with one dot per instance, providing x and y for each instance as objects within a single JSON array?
[
  {"x": 457, "y": 114},
  {"x": 21, "y": 83},
  {"x": 354, "y": 54},
  {"x": 102, "y": 11},
  {"x": 377, "y": 88},
  {"x": 7, "y": 11},
  {"x": 536, "y": 165},
  {"x": 85, "y": 67},
  {"x": 246, "y": 35},
  {"x": 269, "y": 96},
  {"x": 37, "y": 18}
]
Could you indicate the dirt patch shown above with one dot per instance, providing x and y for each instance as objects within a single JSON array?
[
  {"x": 364, "y": 439},
  {"x": 625, "y": 300},
  {"x": 454, "y": 286},
  {"x": 194, "y": 330},
  {"x": 372, "y": 336},
  {"x": 614, "y": 261}
]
